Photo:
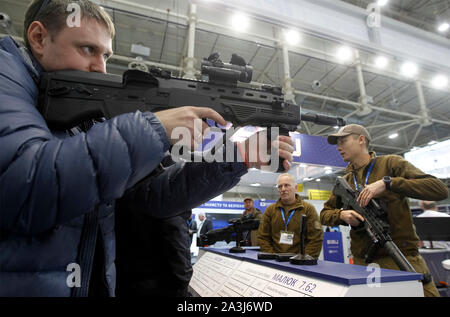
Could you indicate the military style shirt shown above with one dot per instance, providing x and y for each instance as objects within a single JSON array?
[
  {"x": 407, "y": 181},
  {"x": 272, "y": 224}
]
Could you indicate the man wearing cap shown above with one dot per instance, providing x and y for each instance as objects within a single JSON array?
[
  {"x": 391, "y": 179},
  {"x": 250, "y": 237}
]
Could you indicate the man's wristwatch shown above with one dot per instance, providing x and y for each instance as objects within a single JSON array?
[{"x": 387, "y": 181}]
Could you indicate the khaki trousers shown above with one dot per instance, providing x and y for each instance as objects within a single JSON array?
[{"x": 416, "y": 261}]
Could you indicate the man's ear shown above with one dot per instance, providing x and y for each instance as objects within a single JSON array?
[
  {"x": 362, "y": 139},
  {"x": 37, "y": 35}
]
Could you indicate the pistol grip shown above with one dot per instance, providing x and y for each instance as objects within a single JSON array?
[{"x": 282, "y": 131}]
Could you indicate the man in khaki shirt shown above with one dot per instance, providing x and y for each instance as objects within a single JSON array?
[
  {"x": 279, "y": 231},
  {"x": 391, "y": 179},
  {"x": 251, "y": 237}
]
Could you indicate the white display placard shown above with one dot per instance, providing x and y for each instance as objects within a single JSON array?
[{"x": 218, "y": 275}]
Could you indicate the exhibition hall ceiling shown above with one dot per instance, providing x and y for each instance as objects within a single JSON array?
[{"x": 146, "y": 23}]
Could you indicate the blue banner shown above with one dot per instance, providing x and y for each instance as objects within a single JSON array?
[
  {"x": 263, "y": 204},
  {"x": 333, "y": 249},
  {"x": 222, "y": 205},
  {"x": 316, "y": 150}
]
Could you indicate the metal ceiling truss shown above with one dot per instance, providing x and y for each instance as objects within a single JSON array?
[{"x": 193, "y": 23}]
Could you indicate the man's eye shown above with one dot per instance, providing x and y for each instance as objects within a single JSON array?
[{"x": 88, "y": 50}]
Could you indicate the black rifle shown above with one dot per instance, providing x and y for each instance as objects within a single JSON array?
[
  {"x": 375, "y": 223},
  {"x": 235, "y": 229},
  {"x": 68, "y": 98}
]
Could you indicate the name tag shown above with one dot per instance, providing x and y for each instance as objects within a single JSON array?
[{"x": 286, "y": 237}]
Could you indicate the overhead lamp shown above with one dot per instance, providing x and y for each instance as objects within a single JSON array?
[
  {"x": 255, "y": 184},
  {"x": 344, "y": 53},
  {"x": 381, "y": 62},
  {"x": 336, "y": 127},
  {"x": 440, "y": 81},
  {"x": 240, "y": 22},
  {"x": 382, "y": 3},
  {"x": 409, "y": 69},
  {"x": 443, "y": 27},
  {"x": 317, "y": 179},
  {"x": 393, "y": 135},
  {"x": 140, "y": 49},
  {"x": 292, "y": 37}
]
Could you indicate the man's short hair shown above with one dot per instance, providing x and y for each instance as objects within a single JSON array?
[
  {"x": 292, "y": 178},
  {"x": 427, "y": 205},
  {"x": 53, "y": 15}
]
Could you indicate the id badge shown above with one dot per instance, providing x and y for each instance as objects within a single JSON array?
[{"x": 286, "y": 237}]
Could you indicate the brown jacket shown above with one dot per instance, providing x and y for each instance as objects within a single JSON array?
[
  {"x": 272, "y": 223},
  {"x": 407, "y": 181},
  {"x": 254, "y": 233}
]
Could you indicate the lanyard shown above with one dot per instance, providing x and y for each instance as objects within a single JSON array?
[
  {"x": 289, "y": 219},
  {"x": 367, "y": 176}
]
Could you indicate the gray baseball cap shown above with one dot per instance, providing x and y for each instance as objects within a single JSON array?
[{"x": 347, "y": 130}]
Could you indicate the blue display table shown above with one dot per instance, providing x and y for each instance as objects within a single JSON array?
[{"x": 220, "y": 273}]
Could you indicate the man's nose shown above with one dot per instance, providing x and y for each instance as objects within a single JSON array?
[{"x": 98, "y": 65}]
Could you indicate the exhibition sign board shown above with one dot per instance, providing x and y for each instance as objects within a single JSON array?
[{"x": 220, "y": 273}]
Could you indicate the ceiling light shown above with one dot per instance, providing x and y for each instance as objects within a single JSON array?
[
  {"x": 382, "y": 3},
  {"x": 255, "y": 184},
  {"x": 345, "y": 53},
  {"x": 393, "y": 136},
  {"x": 328, "y": 171},
  {"x": 327, "y": 168},
  {"x": 409, "y": 69},
  {"x": 440, "y": 81},
  {"x": 381, "y": 62},
  {"x": 240, "y": 22},
  {"x": 292, "y": 37},
  {"x": 336, "y": 127},
  {"x": 317, "y": 179},
  {"x": 443, "y": 27}
]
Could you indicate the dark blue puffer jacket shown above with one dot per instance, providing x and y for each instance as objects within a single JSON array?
[{"x": 57, "y": 193}]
